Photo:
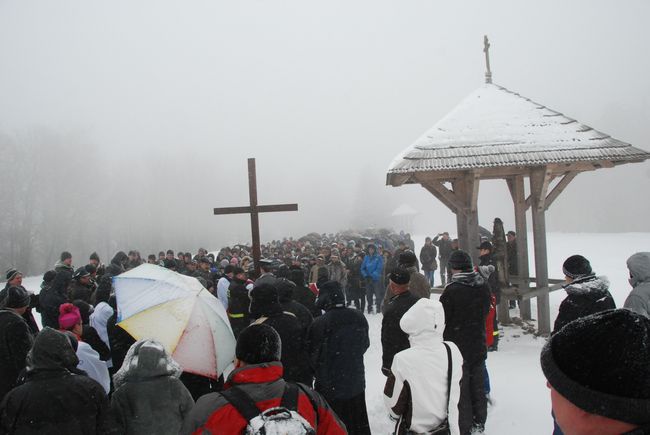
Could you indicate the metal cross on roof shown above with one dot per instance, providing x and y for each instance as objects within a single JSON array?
[
  {"x": 254, "y": 211},
  {"x": 486, "y": 50}
]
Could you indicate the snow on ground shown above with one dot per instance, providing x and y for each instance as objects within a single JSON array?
[{"x": 521, "y": 402}]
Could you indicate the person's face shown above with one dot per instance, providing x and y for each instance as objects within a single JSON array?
[
  {"x": 93, "y": 262},
  {"x": 17, "y": 281},
  {"x": 241, "y": 276},
  {"x": 170, "y": 256},
  {"x": 205, "y": 266},
  {"x": 427, "y": 242},
  {"x": 151, "y": 261},
  {"x": 484, "y": 252},
  {"x": 335, "y": 259},
  {"x": 132, "y": 257},
  {"x": 567, "y": 415},
  {"x": 85, "y": 280},
  {"x": 510, "y": 237},
  {"x": 445, "y": 236},
  {"x": 68, "y": 261}
]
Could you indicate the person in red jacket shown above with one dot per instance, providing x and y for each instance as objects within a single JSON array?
[{"x": 258, "y": 374}]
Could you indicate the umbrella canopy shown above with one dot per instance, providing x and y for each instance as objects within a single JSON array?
[{"x": 176, "y": 310}]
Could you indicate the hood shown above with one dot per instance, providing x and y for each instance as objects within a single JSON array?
[
  {"x": 639, "y": 267},
  {"x": 588, "y": 284},
  {"x": 471, "y": 279},
  {"x": 51, "y": 351},
  {"x": 61, "y": 265},
  {"x": 424, "y": 322},
  {"x": 285, "y": 289},
  {"x": 330, "y": 296},
  {"x": 146, "y": 359},
  {"x": 120, "y": 258}
]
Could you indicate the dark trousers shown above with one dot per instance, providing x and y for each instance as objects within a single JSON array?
[
  {"x": 377, "y": 289},
  {"x": 473, "y": 406},
  {"x": 353, "y": 413},
  {"x": 443, "y": 270}
]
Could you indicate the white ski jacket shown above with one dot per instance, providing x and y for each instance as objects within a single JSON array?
[{"x": 416, "y": 390}]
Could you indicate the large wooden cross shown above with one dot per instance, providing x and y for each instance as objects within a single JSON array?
[{"x": 254, "y": 211}]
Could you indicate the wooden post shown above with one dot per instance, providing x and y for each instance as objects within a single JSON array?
[
  {"x": 458, "y": 186},
  {"x": 539, "y": 181},
  {"x": 518, "y": 193},
  {"x": 473, "y": 237}
]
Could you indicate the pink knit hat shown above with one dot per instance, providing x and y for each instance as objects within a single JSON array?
[{"x": 69, "y": 316}]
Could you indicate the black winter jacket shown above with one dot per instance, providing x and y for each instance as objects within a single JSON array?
[
  {"x": 585, "y": 296},
  {"x": 53, "y": 400},
  {"x": 15, "y": 342},
  {"x": 337, "y": 341},
  {"x": 466, "y": 301},
  {"x": 393, "y": 339}
]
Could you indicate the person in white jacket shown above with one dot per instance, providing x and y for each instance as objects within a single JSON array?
[{"x": 416, "y": 392}]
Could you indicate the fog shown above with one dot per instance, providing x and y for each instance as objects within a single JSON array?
[{"x": 124, "y": 123}]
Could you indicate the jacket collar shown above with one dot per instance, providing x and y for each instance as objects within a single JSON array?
[{"x": 256, "y": 374}]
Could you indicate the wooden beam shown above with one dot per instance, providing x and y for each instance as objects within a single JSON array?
[
  {"x": 474, "y": 182},
  {"x": 517, "y": 190},
  {"x": 559, "y": 188},
  {"x": 446, "y": 196},
  {"x": 539, "y": 181}
]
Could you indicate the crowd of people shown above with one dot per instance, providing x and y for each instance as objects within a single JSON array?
[{"x": 301, "y": 338}]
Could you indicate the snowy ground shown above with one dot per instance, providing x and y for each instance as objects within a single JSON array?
[{"x": 521, "y": 402}]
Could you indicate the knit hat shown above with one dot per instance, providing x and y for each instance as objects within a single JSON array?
[
  {"x": 285, "y": 289},
  {"x": 94, "y": 256},
  {"x": 486, "y": 245},
  {"x": 601, "y": 364},
  {"x": 400, "y": 276},
  {"x": 460, "y": 260},
  {"x": 258, "y": 343},
  {"x": 49, "y": 276},
  {"x": 65, "y": 255},
  {"x": 17, "y": 297},
  {"x": 82, "y": 272},
  {"x": 264, "y": 300},
  {"x": 69, "y": 316},
  {"x": 576, "y": 266},
  {"x": 407, "y": 258},
  {"x": 330, "y": 295},
  {"x": 11, "y": 273}
]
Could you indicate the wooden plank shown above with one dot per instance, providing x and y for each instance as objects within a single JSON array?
[
  {"x": 277, "y": 207},
  {"x": 518, "y": 193},
  {"x": 446, "y": 196},
  {"x": 559, "y": 188},
  {"x": 539, "y": 180},
  {"x": 232, "y": 210},
  {"x": 473, "y": 236}
]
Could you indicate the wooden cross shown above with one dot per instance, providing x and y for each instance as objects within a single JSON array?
[
  {"x": 254, "y": 211},
  {"x": 486, "y": 50}
]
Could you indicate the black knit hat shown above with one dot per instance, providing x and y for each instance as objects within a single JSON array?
[
  {"x": 11, "y": 274},
  {"x": 330, "y": 294},
  {"x": 81, "y": 273},
  {"x": 258, "y": 343},
  {"x": 17, "y": 297},
  {"x": 407, "y": 258},
  {"x": 576, "y": 266},
  {"x": 400, "y": 276},
  {"x": 601, "y": 364},
  {"x": 65, "y": 255},
  {"x": 94, "y": 256},
  {"x": 265, "y": 299},
  {"x": 460, "y": 260}
]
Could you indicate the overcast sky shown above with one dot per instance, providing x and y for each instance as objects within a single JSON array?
[{"x": 324, "y": 94}]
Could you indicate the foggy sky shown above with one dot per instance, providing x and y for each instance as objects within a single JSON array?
[{"x": 323, "y": 93}]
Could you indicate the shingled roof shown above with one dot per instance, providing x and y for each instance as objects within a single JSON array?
[{"x": 494, "y": 127}]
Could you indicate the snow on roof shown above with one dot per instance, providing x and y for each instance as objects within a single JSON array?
[{"x": 495, "y": 127}]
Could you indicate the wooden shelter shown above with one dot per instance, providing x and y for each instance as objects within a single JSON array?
[{"x": 498, "y": 134}]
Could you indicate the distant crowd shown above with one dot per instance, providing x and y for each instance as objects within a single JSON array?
[{"x": 301, "y": 335}]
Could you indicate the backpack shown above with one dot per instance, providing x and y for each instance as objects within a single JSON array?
[{"x": 279, "y": 420}]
